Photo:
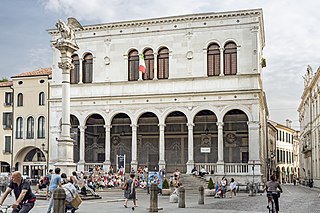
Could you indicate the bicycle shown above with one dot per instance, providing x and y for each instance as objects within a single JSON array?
[
  {"x": 4, "y": 208},
  {"x": 271, "y": 204}
]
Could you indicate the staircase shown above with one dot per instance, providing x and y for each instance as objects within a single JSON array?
[{"x": 191, "y": 183}]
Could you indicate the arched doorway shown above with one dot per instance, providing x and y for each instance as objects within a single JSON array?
[
  {"x": 205, "y": 137},
  {"x": 75, "y": 135},
  {"x": 176, "y": 142},
  {"x": 95, "y": 139},
  {"x": 121, "y": 140},
  {"x": 148, "y": 141},
  {"x": 34, "y": 165},
  {"x": 235, "y": 137}
]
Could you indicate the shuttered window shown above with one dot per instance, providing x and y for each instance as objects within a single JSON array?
[
  {"x": 133, "y": 65},
  {"x": 213, "y": 60},
  {"x": 163, "y": 63},
  {"x": 230, "y": 58},
  {"x": 149, "y": 61},
  {"x": 74, "y": 73},
  {"x": 87, "y": 69}
]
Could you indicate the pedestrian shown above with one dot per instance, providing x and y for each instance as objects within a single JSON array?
[
  {"x": 224, "y": 186},
  {"x": 233, "y": 187},
  {"x": 70, "y": 191},
  {"x": 25, "y": 199},
  {"x": 272, "y": 186},
  {"x": 54, "y": 183},
  {"x": 130, "y": 192}
]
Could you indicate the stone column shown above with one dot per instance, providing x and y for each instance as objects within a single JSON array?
[
  {"x": 190, "y": 163},
  {"x": 254, "y": 146},
  {"x": 80, "y": 70},
  {"x": 221, "y": 62},
  {"x": 82, "y": 148},
  {"x": 155, "y": 66},
  {"x": 162, "y": 163},
  {"x": 107, "y": 162},
  {"x": 65, "y": 143},
  {"x": 220, "y": 163},
  {"x": 134, "y": 161}
]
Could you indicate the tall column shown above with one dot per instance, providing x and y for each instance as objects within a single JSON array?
[
  {"x": 162, "y": 162},
  {"x": 254, "y": 146},
  {"x": 220, "y": 163},
  {"x": 190, "y": 163},
  {"x": 80, "y": 70},
  {"x": 82, "y": 148},
  {"x": 67, "y": 46},
  {"x": 155, "y": 66},
  {"x": 107, "y": 162},
  {"x": 134, "y": 161},
  {"x": 221, "y": 62}
]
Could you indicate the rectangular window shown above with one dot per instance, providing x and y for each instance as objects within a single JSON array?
[
  {"x": 7, "y": 120},
  {"x": 8, "y": 99},
  {"x": 7, "y": 144}
]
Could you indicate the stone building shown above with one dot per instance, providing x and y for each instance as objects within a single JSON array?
[
  {"x": 272, "y": 149},
  {"x": 200, "y": 101},
  {"x": 309, "y": 117}
]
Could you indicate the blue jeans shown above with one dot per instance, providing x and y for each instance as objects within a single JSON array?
[
  {"x": 24, "y": 208},
  {"x": 50, "y": 203}
]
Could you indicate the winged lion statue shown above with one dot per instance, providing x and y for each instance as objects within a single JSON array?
[{"x": 67, "y": 29}]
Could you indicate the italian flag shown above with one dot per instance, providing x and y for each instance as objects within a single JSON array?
[{"x": 142, "y": 64}]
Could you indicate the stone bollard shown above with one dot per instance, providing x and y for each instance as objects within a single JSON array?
[
  {"x": 153, "y": 198},
  {"x": 59, "y": 197},
  {"x": 182, "y": 197},
  {"x": 201, "y": 195}
]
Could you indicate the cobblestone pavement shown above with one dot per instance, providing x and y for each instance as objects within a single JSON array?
[{"x": 295, "y": 199}]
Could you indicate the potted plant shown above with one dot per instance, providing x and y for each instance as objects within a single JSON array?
[
  {"x": 210, "y": 191},
  {"x": 165, "y": 187}
]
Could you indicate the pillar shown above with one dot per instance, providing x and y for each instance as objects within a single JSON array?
[
  {"x": 190, "y": 163},
  {"x": 162, "y": 163},
  {"x": 82, "y": 148},
  {"x": 221, "y": 62},
  {"x": 107, "y": 162},
  {"x": 220, "y": 163},
  {"x": 155, "y": 66},
  {"x": 134, "y": 161},
  {"x": 254, "y": 147}
]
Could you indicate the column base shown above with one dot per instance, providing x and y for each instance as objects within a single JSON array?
[
  {"x": 80, "y": 166},
  {"x": 106, "y": 165},
  {"x": 134, "y": 165},
  {"x": 66, "y": 167},
  {"x": 162, "y": 164},
  {"x": 190, "y": 165},
  {"x": 220, "y": 168}
]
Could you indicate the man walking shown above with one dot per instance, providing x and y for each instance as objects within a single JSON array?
[
  {"x": 54, "y": 183},
  {"x": 25, "y": 199}
]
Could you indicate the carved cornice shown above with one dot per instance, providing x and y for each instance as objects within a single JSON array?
[
  {"x": 167, "y": 20},
  {"x": 66, "y": 65}
]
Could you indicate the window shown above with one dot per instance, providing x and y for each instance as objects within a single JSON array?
[
  {"x": 41, "y": 99},
  {"x": 149, "y": 61},
  {"x": 74, "y": 74},
  {"x": 133, "y": 65},
  {"x": 87, "y": 68},
  {"x": 8, "y": 99},
  {"x": 7, "y": 144},
  {"x": 41, "y": 127},
  {"x": 30, "y": 128},
  {"x": 163, "y": 63},
  {"x": 213, "y": 60},
  {"x": 7, "y": 120},
  {"x": 230, "y": 58},
  {"x": 20, "y": 99},
  {"x": 19, "y": 128}
]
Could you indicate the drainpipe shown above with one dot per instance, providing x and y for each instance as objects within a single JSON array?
[{"x": 12, "y": 129}]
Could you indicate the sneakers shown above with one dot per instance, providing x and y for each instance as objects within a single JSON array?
[
  {"x": 133, "y": 208},
  {"x": 125, "y": 206}
]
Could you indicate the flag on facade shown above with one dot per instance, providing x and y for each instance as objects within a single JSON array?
[{"x": 142, "y": 64}]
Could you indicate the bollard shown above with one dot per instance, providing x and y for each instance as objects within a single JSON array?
[
  {"x": 182, "y": 197},
  {"x": 59, "y": 197},
  {"x": 153, "y": 198},
  {"x": 201, "y": 195}
]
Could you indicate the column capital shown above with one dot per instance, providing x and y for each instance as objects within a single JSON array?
[
  {"x": 253, "y": 124},
  {"x": 219, "y": 124},
  {"x": 108, "y": 126},
  {"x": 162, "y": 125},
  {"x": 221, "y": 49},
  {"x": 82, "y": 128},
  {"x": 134, "y": 125},
  {"x": 190, "y": 124}
]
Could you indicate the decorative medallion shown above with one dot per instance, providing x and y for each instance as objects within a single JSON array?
[
  {"x": 115, "y": 140},
  {"x": 231, "y": 138}
]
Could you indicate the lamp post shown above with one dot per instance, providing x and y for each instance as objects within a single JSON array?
[
  {"x": 271, "y": 163},
  {"x": 43, "y": 148}
]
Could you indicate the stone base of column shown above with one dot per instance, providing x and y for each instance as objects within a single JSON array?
[
  {"x": 80, "y": 166},
  {"x": 220, "y": 168},
  {"x": 106, "y": 165},
  {"x": 162, "y": 164},
  {"x": 134, "y": 165},
  {"x": 66, "y": 167},
  {"x": 190, "y": 165},
  {"x": 65, "y": 156}
]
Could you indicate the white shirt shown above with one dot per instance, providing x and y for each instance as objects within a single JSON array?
[
  {"x": 233, "y": 185},
  {"x": 69, "y": 187}
]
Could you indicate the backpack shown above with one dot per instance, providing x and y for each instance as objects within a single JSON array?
[{"x": 46, "y": 180}]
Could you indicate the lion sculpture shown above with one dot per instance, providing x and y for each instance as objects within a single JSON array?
[{"x": 67, "y": 29}]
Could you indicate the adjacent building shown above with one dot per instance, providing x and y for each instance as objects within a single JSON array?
[
  {"x": 309, "y": 117},
  {"x": 200, "y": 101}
]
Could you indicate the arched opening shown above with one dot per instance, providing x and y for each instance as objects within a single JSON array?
[
  {"x": 95, "y": 139},
  {"x": 33, "y": 164},
  {"x": 75, "y": 135},
  {"x": 148, "y": 141},
  {"x": 4, "y": 166},
  {"x": 235, "y": 138},
  {"x": 176, "y": 142}
]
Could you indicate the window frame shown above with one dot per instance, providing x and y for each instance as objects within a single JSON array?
[
  {"x": 75, "y": 72},
  {"x": 87, "y": 68},
  {"x": 8, "y": 98},
  {"x": 213, "y": 57},
  {"x": 149, "y": 61},
  {"x": 19, "y": 128},
  {"x": 20, "y": 99},
  {"x": 41, "y": 99},
  {"x": 7, "y": 120},
  {"x": 7, "y": 144},
  {"x": 30, "y": 128},
  {"x": 163, "y": 63},
  {"x": 41, "y": 127},
  {"x": 133, "y": 65},
  {"x": 230, "y": 58}
]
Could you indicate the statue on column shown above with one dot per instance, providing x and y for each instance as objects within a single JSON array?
[{"x": 67, "y": 30}]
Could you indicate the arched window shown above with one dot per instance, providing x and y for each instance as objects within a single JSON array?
[
  {"x": 19, "y": 128},
  {"x": 230, "y": 58},
  {"x": 74, "y": 73},
  {"x": 213, "y": 60},
  {"x": 133, "y": 65},
  {"x": 163, "y": 63},
  {"x": 41, "y": 99},
  {"x": 87, "y": 68},
  {"x": 20, "y": 99},
  {"x": 41, "y": 127},
  {"x": 30, "y": 128},
  {"x": 149, "y": 61}
]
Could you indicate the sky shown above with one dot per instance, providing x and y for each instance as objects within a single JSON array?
[{"x": 291, "y": 32}]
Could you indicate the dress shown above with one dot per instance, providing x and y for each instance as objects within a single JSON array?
[{"x": 127, "y": 193}]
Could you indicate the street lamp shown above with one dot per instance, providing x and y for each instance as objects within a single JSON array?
[{"x": 43, "y": 148}]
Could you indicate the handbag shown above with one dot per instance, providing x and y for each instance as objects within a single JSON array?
[{"x": 76, "y": 199}]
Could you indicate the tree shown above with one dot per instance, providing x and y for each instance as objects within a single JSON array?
[
  {"x": 210, "y": 184},
  {"x": 4, "y": 79},
  {"x": 165, "y": 184}
]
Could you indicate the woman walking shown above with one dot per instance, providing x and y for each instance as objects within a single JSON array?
[
  {"x": 130, "y": 191},
  {"x": 233, "y": 187}
]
